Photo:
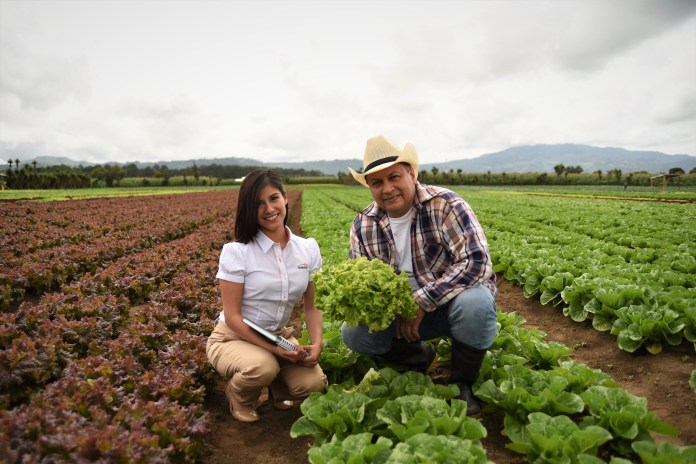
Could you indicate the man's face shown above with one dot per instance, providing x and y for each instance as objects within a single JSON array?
[{"x": 393, "y": 188}]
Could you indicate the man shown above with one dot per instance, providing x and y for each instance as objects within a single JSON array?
[{"x": 433, "y": 235}]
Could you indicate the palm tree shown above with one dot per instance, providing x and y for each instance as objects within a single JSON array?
[
  {"x": 16, "y": 164},
  {"x": 196, "y": 173}
]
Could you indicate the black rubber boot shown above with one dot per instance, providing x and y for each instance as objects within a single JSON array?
[
  {"x": 466, "y": 364},
  {"x": 414, "y": 356}
]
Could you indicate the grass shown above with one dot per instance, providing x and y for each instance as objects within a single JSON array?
[
  {"x": 100, "y": 192},
  {"x": 676, "y": 193}
]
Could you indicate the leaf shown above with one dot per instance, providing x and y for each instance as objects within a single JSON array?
[
  {"x": 654, "y": 348},
  {"x": 665, "y": 453},
  {"x": 576, "y": 311}
]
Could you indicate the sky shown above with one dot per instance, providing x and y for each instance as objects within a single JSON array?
[{"x": 105, "y": 81}]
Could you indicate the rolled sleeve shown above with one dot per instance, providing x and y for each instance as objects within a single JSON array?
[{"x": 423, "y": 300}]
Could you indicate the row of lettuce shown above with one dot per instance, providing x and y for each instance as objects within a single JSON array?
[
  {"x": 554, "y": 409},
  {"x": 628, "y": 266},
  {"x": 45, "y": 245}
]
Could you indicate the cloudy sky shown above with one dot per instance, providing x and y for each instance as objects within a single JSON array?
[{"x": 308, "y": 80}]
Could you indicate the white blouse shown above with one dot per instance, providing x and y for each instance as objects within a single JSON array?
[{"x": 274, "y": 279}]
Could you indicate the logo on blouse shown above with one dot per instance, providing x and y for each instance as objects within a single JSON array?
[{"x": 303, "y": 266}]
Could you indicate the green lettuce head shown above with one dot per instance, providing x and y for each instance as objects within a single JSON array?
[{"x": 364, "y": 292}]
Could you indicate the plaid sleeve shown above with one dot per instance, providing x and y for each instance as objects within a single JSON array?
[
  {"x": 357, "y": 247},
  {"x": 465, "y": 260}
]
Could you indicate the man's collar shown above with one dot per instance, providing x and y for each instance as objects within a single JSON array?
[{"x": 422, "y": 195}]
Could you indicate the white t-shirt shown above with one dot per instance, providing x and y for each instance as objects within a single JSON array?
[
  {"x": 401, "y": 230},
  {"x": 274, "y": 279}
]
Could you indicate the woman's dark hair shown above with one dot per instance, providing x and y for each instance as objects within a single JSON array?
[{"x": 246, "y": 223}]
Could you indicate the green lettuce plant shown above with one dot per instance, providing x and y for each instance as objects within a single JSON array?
[
  {"x": 440, "y": 449},
  {"x": 648, "y": 325},
  {"x": 364, "y": 292},
  {"x": 689, "y": 319},
  {"x": 413, "y": 414},
  {"x": 335, "y": 414},
  {"x": 554, "y": 439},
  {"x": 354, "y": 449},
  {"x": 524, "y": 390},
  {"x": 390, "y": 384},
  {"x": 665, "y": 453},
  {"x": 625, "y": 416},
  {"x": 342, "y": 412}
]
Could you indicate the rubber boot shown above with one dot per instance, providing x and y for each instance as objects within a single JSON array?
[
  {"x": 466, "y": 364},
  {"x": 414, "y": 356}
]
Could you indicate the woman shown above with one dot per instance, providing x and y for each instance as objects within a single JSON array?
[{"x": 262, "y": 275}]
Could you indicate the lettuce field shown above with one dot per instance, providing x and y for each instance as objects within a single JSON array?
[{"x": 106, "y": 304}]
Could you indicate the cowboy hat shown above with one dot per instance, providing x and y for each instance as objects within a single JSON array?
[{"x": 381, "y": 154}]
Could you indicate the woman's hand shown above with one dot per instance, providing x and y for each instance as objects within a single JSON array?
[
  {"x": 313, "y": 353},
  {"x": 296, "y": 356}
]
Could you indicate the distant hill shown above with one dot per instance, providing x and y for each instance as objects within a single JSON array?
[
  {"x": 526, "y": 158},
  {"x": 42, "y": 161},
  {"x": 542, "y": 158}
]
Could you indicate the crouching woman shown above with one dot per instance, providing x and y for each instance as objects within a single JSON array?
[{"x": 262, "y": 275}]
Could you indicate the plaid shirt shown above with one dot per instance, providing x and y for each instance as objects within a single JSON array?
[{"x": 448, "y": 246}]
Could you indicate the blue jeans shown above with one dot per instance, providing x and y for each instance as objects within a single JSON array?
[{"x": 470, "y": 318}]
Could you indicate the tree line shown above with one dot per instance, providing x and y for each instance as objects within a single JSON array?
[
  {"x": 564, "y": 175},
  {"x": 31, "y": 176}
]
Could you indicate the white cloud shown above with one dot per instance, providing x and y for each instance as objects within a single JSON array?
[{"x": 152, "y": 81}]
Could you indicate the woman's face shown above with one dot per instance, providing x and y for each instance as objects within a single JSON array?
[{"x": 270, "y": 209}]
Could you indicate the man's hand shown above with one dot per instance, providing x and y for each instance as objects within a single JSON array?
[{"x": 408, "y": 329}]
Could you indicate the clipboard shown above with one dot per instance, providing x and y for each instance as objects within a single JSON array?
[{"x": 284, "y": 343}]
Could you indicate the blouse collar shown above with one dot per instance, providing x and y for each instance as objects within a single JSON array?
[{"x": 266, "y": 243}]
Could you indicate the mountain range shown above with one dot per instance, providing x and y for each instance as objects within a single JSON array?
[{"x": 526, "y": 158}]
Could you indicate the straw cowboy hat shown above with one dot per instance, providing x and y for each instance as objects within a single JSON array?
[{"x": 380, "y": 154}]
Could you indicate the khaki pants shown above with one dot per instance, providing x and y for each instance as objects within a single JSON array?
[{"x": 250, "y": 368}]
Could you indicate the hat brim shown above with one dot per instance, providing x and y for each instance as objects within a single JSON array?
[{"x": 408, "y": 155}]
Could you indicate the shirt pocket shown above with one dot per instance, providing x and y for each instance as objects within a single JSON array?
[{"x": 435, "y": 257}]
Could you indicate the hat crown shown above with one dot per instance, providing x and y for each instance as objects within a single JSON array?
[
  {"x": 381, "y": 154},
  {"x": 378, "y": 148}
]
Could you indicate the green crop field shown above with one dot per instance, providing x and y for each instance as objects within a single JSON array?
[
  {"x": 112, "y": 298},
  {"x": 630, "y": 266}
]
